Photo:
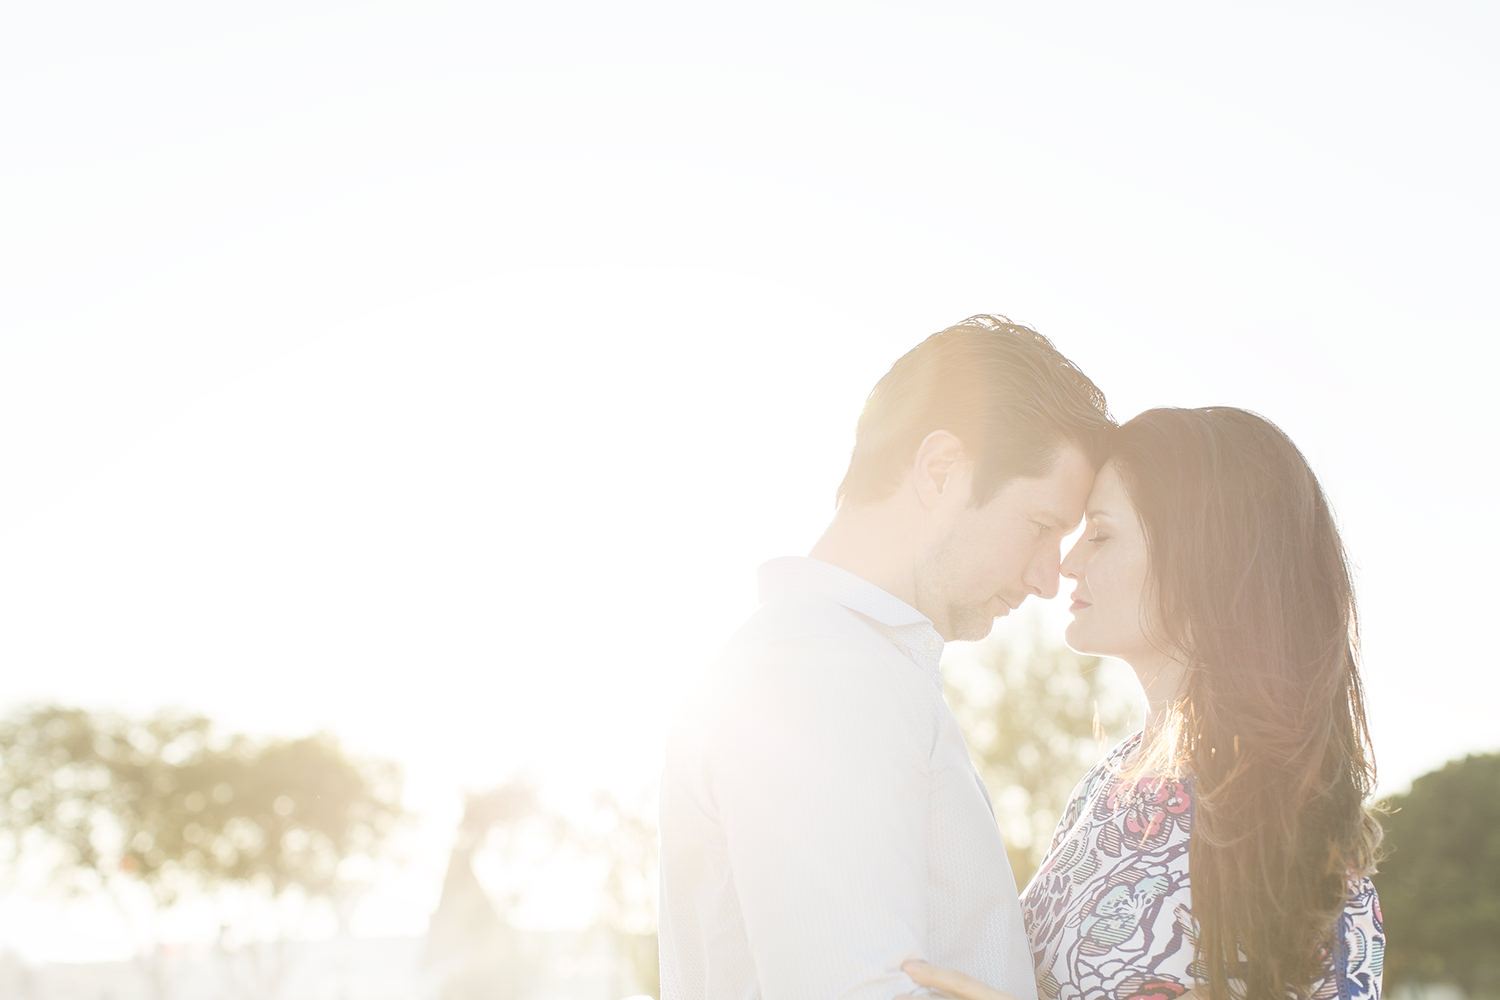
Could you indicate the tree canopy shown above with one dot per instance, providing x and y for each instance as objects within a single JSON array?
[
  {"x": 1440, "y": 883},
  {"x": 173, "y": 804}
]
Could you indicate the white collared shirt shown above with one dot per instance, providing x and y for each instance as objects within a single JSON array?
[{"x": 821, "y": 819}]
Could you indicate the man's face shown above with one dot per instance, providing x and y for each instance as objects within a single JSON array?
[{"x": 989, "y": 559}]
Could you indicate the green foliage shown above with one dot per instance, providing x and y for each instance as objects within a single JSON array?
[
  {"x": 1036, "y": 716},
  {"x": 1440, "y": 884},
  {"x": 173, "y": 805}
]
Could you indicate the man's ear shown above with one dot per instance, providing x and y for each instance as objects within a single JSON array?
[{"x": 940, "y": 468}]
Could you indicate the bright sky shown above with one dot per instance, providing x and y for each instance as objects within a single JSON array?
[{"x": 438, "y": 373}]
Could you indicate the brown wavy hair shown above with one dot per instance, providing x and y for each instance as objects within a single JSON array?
[
  {"x": 1252, "y": 591},
  {"x": 1001, "y": 388}
]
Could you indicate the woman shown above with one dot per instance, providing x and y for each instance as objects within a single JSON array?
[{"x": 1225, "y": 849}]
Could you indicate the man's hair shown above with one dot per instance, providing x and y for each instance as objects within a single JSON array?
[{"x": 1001, "y": 388}]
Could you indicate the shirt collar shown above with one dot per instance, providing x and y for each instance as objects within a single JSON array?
[{"x": 907, "y": 627}]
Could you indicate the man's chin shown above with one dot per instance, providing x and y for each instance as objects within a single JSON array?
[{"x": 975, "y": 629}]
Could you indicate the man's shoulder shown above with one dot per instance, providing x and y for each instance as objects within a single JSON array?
[
  {"x": 802, "y": 678},
  {"x": 793, "y": 633},
  {"x": 791, "y": 621}
]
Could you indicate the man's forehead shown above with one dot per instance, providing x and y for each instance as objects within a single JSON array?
[
  {"x": 1065, "y": 511},
  {"x": 1059, "y": 497}
]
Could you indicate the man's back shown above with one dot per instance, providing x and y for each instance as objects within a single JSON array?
[{"x": 821, "y": 818}]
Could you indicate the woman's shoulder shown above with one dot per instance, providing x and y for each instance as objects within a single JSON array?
[
  {"x": 1115, "y": 762},
  {"x": 1099, "y": 777},
  {"x": 1122, "y": 752},
  {"x": 1127, "y": 813}
]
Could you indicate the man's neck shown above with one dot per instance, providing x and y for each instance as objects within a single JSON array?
[{"x": 867, "y": 542}]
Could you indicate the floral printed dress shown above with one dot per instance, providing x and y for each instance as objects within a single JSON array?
[{"x": 1109, "y": 914}]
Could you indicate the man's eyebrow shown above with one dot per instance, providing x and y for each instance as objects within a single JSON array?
[{"x": 1053, "y": 520}]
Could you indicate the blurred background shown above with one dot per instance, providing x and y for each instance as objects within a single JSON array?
[{"x": 398, "y": 399}]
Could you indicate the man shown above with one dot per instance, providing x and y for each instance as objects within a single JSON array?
[{"x": 821, "y": 819}]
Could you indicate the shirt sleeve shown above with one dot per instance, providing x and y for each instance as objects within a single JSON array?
[{"x": 821, "y": 776}]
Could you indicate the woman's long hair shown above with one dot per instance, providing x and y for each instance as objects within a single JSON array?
[{"x": 1251, "y": 588}]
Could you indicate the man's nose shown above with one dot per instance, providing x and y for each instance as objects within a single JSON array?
[
  {"x": 1069, "y": 566},
  {"x": 1042, "y": 579}
]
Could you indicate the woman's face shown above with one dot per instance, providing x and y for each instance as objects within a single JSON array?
[{"x": 1109, "y": 565}]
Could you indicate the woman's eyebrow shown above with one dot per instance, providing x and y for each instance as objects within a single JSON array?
[{"x": 1094, "y": 515}]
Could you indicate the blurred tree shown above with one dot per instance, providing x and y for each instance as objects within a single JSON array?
[
  {"x": 170, "y": 805},
  {"x": 470, "y": 945},
  {"x": 506, "y": 836},
  {"x": 1440, "y": 884},
  {"x": 1036, "y": 716},
  {"x": 623, "y": 835}
]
